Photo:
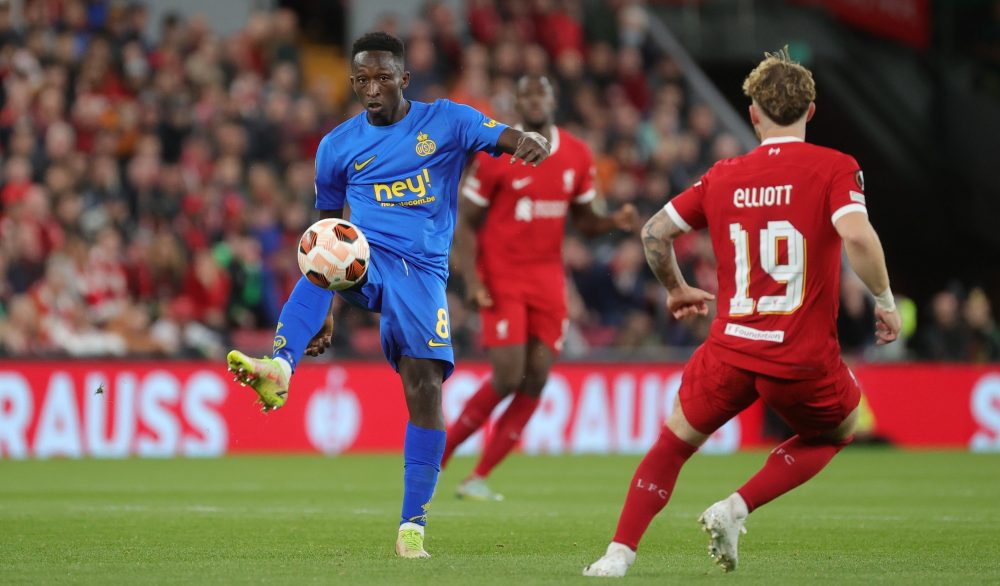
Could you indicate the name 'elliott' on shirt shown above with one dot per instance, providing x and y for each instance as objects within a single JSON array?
[{"x": 758, "y": 197}]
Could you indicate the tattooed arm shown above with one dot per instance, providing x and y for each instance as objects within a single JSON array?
[{"x": 658, "y": 241}]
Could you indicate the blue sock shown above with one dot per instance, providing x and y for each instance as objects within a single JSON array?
[
  {"x": 301, "y": 318},
  {"x": 422, "y": 453}
]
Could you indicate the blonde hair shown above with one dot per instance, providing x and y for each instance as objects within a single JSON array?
[{"x": 781, "y": 87}]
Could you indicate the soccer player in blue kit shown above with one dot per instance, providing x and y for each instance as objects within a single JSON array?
[{"x": 397, "y": 167}]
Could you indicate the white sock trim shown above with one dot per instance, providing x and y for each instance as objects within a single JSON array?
[
  {"x": 627, "y": 551},
  {"x": 285, "y": 366},
  {"x": 739, "y": 505},
  {"x": 409, "y": 525}
]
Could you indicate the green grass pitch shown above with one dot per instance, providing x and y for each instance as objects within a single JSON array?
[{"x": 874, "y": 516}]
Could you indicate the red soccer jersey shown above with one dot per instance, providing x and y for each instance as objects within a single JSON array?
[
  {"x": 771, "y": 217},
  {"x": 528, "y": 205}
]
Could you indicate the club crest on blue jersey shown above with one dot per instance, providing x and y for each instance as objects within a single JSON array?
[{"x": 425, "y": 146}]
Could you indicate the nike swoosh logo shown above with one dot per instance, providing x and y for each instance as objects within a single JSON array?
[
  {"x": 434, "y": 344},
  {"x": 520, "y": 183},
  {"x": 359, "y": 166}
]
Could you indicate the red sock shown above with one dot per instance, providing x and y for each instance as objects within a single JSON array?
[
  {"x": 477, "y": 411},
  {"x": 788, "y": 466},
  {"x": 507, "y": 433},
  {"x": 652, "y": 486}
]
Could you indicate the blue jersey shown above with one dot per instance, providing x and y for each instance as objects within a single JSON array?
[{"x": 401, "y": 180}]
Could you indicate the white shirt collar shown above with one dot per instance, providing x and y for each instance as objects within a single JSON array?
[{"x": 780, "y": 139}]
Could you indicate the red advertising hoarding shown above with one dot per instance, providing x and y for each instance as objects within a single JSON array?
[{"x": 166, "y": 409}]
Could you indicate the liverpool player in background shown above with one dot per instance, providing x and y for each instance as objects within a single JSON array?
[
  {"x": 777, "y": 217},
  {"x": 508, "y": 246}
]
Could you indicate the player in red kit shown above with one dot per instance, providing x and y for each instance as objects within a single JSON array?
[
  {"x": 778, "y": 217},
  {"x": 508, "y": 246}
]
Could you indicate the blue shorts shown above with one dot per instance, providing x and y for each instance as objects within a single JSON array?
[{"x": 414, "y": 309}]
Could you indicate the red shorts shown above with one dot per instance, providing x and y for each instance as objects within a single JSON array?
[
  {"x": 713, "y": 392},
  {"x": 530, "y": 307}
]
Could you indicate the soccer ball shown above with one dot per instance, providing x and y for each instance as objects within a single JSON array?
[{"x": 333, "y": 254}]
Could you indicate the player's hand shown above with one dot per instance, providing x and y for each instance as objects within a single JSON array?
[
  {"x": 321, "y": 341},
  {"x": 532, "y": 148},
  {"x": 626, "y": 218},
  {"x": 685, "y": 301},
  {"x": 887, "y": 326},
  {"x": 478, "y": 295}
]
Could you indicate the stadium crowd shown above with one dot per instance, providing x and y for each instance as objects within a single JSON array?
[{"x": 153, "y": 192}]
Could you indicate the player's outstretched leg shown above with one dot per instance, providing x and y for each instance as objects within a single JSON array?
[
  {"x": 301, "y": 318},
  {"x": 788, "y": 466},
  {"x": 649, "y": 492}
]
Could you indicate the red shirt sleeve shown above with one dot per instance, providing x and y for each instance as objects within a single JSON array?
[
  {"x": 847, "y": 189},
  {"x": 687, "y": 209},
  {"x": 482, "y": 180}
]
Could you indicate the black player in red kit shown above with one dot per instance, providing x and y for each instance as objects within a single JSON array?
[{"x": 508, "y": 247}]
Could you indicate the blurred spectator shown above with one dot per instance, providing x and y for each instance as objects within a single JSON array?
[
  {"x": 206, "y": 287},
  {"x": 984, "y": 338},
  {"x": 946, "y": 337},
  {"x": 593, "y": 281},
  {"x": 20, "y": 330},
  {"x": 857, "y": 314},
  {"x": 560, "y": 22}
]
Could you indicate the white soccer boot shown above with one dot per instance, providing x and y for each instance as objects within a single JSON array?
[
  {"x": 723, "y": 521},
  {"x": 613, "y": 564},
  {"x": 476, "y": 489}
]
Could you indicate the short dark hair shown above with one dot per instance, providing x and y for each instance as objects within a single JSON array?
[{"x": 379, "y": 41}]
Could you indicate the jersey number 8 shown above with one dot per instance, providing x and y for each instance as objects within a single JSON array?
[{"x": 441, "y": 328}]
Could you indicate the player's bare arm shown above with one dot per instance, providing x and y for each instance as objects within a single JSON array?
[
  {"x": 658, "y": 241},
  {"x": 864, "y": 252},
  {"x": 470, "y": 218},
  {"x": 322, "y": 340},
  {"x": 589, "y": 221},
  {"x": 530, "y": 148}
]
